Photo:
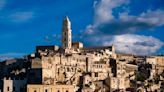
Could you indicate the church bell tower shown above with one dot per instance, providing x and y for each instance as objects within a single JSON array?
[{"x": 66, "y": 34}]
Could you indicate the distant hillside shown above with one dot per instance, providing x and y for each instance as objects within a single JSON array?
[{"x": 2, "y": 58}]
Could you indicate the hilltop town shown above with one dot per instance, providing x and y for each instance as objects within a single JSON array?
[{"x": 75, "y": 68}]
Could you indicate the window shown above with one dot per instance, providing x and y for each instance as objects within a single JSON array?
[
  {"x": 46, "y": 90},
  {"x": 8, "y": 88},
  {"x": 96, "y": 74},
  {"x": 13, "y": 88},
  {"x": 68, "y": 70}
]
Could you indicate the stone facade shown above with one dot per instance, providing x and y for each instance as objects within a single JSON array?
[
  {"x": 14, "y": 85},
  {"x": 159, "y": 60},
  {"x": 151, "y": 60},
  {"x": 50, "y": 88}
]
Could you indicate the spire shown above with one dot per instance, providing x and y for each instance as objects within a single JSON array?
[
  {"x": 66, "y": 33},
  {"x": 66, "y": 19},
  {"x": 67, "y": 22}
]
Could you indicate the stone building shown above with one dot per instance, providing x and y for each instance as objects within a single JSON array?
[
  {"x": 13, "y": 85},
  {"x": 159, "y": 60},
  {"x": 50, "y": 88},
  {"x": 151, "y": 60},
  {"x": 157, "y": 64}
]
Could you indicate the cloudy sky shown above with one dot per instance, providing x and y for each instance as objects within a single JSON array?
[{"x": 133, "y": 26}]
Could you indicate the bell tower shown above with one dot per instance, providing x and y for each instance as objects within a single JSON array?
[{"x": 66, "y": 34}]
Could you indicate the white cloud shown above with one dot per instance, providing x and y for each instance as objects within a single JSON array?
[
  {"x": 130, "y": 43},
  {"x": 103, "y": 10},
  {"x": 106, "y": 23},
  {"x": 103, "y": 13},
  {"x": 17, "y": 17},
  {"x": 14, "y": 15},
  {"x": 20, "y": 16},
  {"x": 150, "y": 17},
  {"x": 107, "y": 29},
  {"x": 136, "y": 44},
  {"x": 2, "y": 4}
]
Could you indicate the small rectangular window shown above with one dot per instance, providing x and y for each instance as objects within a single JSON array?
[
  {"x": 46, "y": 90},
  {"x": 13, "y": 88},
  {"x": 8, "y": 88},
  {"x": 96, "y": 74}
]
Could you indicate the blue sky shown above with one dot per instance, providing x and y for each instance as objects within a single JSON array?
[{"x": 127, "y": 24}]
